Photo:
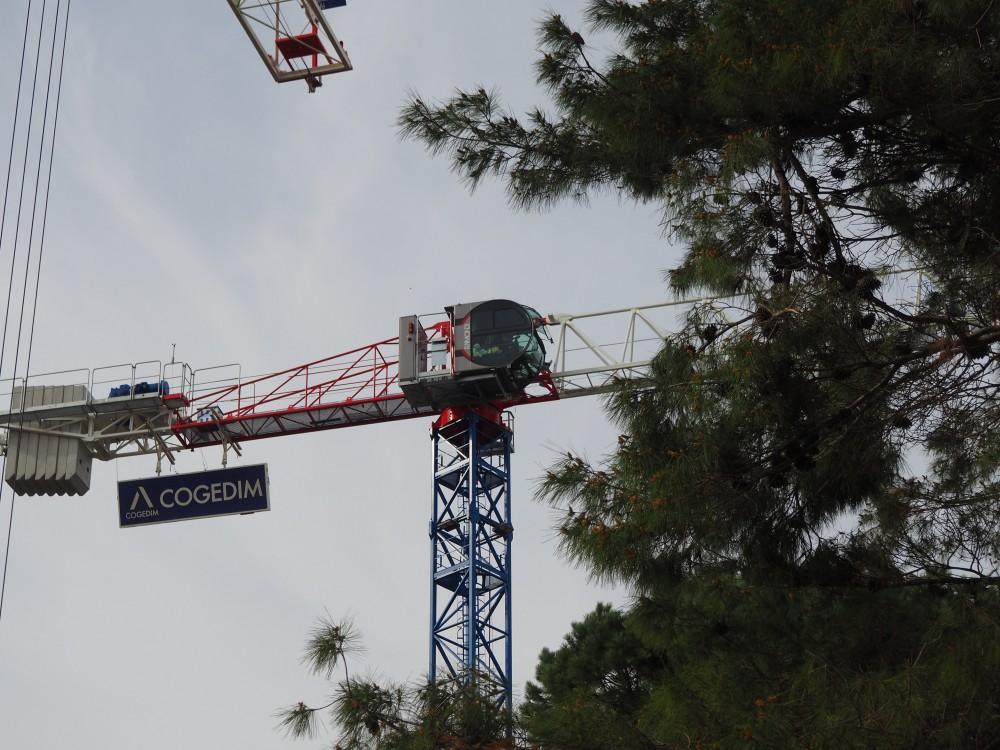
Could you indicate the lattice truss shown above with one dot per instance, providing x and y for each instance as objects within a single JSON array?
[
  {"x": 470, "y": 535},
  {"x": 293, "y": 38}
]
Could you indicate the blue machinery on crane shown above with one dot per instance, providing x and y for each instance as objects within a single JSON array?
[{"x": 464, "y": 368}]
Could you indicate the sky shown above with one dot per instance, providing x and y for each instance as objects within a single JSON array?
[{"x": 202, "y": 212}]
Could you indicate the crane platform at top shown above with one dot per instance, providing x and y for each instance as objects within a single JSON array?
[{"x": 293, "y": 38}]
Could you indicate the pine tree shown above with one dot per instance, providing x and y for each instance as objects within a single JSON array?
[
  {"x": 804, "y": 498},
  {"x": 378, "y": 714},
  {"x": 591, "y": 691}
]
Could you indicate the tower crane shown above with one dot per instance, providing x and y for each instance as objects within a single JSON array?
[{"x": 464, "y": 369}]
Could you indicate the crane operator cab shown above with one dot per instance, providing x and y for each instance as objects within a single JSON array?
[{"x": 477, "y": 353}]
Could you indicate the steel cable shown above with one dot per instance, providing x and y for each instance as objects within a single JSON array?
[{"x": 44, "y": 144}]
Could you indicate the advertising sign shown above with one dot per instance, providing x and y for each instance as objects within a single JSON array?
[{"x": 178, "y": 497}]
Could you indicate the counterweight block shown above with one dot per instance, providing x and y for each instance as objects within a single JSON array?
[{"x": 47, "y": 464}]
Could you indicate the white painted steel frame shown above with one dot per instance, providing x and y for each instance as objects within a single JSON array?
[
  {"x": 582, "y": 366},
  {"x": 267, "y": 21}
]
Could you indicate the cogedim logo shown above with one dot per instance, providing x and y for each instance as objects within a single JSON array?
[
  {"x": 217, "y": 492},
  {"x": 223, "y": 492}
]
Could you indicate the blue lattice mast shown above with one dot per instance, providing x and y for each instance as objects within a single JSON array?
[{"x": 470, "y": 551}]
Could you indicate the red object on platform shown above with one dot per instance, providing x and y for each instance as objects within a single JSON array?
[{"x": 303, "y": 45}]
